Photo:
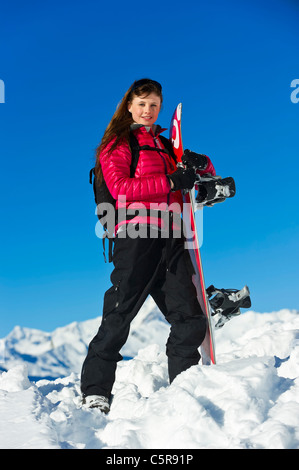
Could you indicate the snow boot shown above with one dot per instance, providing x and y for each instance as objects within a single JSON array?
[{"x": 97, "y": 401}]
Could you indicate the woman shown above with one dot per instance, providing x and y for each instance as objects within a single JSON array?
[{"x": 152, "y": 264}]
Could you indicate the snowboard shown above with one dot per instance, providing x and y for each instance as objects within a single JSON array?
[{"x": 207, "y": 347}]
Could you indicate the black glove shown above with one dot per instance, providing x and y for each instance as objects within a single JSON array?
[
  {"x": 194, "y": 160},
  {"x": 182, "y": 178}
]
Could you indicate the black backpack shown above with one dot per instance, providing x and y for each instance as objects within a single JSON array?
[{"x": 102, "y": 194}]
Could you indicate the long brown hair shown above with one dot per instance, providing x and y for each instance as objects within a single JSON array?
[{"x": 119, "y": 126}]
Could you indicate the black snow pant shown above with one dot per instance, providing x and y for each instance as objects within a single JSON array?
[{"x": 158, "y": 267}]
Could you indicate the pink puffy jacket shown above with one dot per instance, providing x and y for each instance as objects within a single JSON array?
[{"x": 150, "y": 186}]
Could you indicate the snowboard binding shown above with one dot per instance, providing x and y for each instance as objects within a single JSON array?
[
  {"x": 214, "y": 189},
  {"x": 226, "y": 303}
]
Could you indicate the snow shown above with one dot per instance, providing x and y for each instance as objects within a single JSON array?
[{"x": 249, "y": 400}]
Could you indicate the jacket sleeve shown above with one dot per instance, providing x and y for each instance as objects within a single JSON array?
[{"x": 116, "y": 171}]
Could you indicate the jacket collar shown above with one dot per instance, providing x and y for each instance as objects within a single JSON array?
[{"x": 156, "y": 130}]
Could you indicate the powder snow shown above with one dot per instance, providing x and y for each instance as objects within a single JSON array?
[{"x": 248, "y": 400}]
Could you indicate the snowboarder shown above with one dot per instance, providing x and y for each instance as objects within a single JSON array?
[{"x": 149, "y": 256}]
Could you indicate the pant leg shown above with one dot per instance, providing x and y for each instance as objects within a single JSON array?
[
  {"x": 176, "y": 297},
  {"x": 136, "y": 264}
]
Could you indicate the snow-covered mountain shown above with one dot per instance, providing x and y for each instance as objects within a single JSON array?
[{"x": 250, "y": 399}]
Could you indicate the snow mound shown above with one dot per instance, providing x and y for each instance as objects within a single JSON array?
[{"x": 249, "y": 400}]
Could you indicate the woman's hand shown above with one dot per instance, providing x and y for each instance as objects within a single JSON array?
[{"x": 182, "y": 178}]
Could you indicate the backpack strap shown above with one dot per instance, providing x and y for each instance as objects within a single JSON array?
[
  {"x": 135, "y": 149},
  {"x": 110, "y": 246}
]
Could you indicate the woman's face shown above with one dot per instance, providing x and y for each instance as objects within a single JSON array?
[{"x": 145, "y": 109}]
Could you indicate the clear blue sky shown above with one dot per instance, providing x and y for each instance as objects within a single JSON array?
[{"x": 66, "y": 65}]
